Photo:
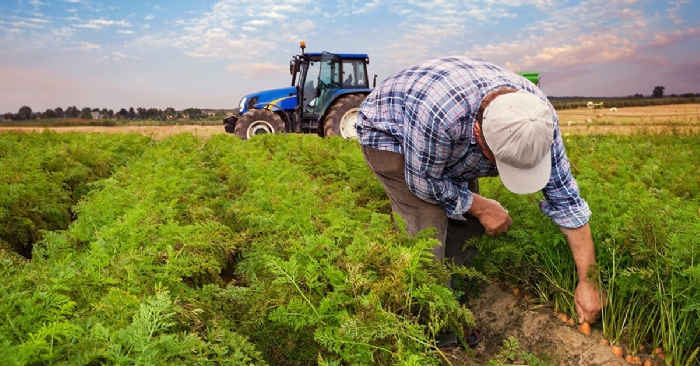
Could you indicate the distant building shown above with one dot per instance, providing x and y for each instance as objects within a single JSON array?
[{"x": 97, "y": 115}]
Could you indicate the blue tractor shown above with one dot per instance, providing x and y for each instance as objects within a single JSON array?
[{"x": 326, "y": 92}]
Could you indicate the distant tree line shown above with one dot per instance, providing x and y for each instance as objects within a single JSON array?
[{"x": 26, "y": 113}]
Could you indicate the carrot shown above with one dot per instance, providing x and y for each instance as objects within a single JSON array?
[
  {"x": 516, "y": 292},
  {"x": 629, "y": 359},
  {"x": 647, "y": 363},
  {"x": 604, "y": 341},
  {"x": 527, "y": 297},
  {"x": 617, "y": 351},
  {"x": 637, "y": 360},
  {"x": 561, "y": 316},
  {"x": 661, "y": 356},
  {"x": 658, "y": 350},
  {"x": 585, "y": 328},
  {"x": 641, "y": 347},
  {"x": 571, "y": 321}
]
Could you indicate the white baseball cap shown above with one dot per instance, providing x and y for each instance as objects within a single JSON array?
[{"x": 519, "y": 129}]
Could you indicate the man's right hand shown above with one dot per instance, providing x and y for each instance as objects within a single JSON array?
[{"x": 491, "y": 214}]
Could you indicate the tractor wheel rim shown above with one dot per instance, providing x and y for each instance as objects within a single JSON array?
[
  {"x": 259, "y": 128},
  {"x": 348, "y": 124}
]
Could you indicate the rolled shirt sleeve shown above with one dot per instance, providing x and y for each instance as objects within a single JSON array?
[{"x": 563, "y": 203}]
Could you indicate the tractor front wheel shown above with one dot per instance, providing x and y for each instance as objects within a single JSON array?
[
  {"x": 257, "y": 122},
  {"x": 342, "y": 117}
]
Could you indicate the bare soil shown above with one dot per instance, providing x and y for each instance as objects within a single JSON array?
[{"x": 500, "y": 315}]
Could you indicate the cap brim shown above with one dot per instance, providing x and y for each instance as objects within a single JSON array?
[{"x": 524, "y": 181}]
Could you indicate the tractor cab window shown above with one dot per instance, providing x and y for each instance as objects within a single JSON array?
[
  {"x": 309, "y": 84},
  {"x": 329, "y": 81},
  {"x": 354, "y": 74}
]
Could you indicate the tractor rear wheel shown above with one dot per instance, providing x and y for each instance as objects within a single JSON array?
[
  {"x": 342, "y": 117},
  {"x": 257, "y": 122}
]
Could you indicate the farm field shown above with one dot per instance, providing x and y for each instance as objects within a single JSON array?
[
  {"x": 660, "y": 118},
  {"x": 157, "y": 132},
  {"x": 192, "y": 247},
  {"x": 678, "y": 117}
]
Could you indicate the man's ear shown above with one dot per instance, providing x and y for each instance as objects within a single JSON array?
[{"x": 477, "y": 130}]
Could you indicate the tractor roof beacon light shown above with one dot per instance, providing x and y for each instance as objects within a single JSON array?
[{"x": 302, "y": 45}]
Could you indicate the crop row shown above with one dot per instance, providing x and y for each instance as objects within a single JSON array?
[
  {"x": 281, "y": 250},
  {"x": 231, "y": 252},
  {"x": 644, "y": 192}
]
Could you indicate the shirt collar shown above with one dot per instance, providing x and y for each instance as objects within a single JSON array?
[{"x": 472, "y": 136}]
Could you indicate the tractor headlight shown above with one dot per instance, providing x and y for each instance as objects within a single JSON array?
[{"x": 241, "y": 105}]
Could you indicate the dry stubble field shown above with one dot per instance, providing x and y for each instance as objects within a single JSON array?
[{"x": 674, "y": 117}]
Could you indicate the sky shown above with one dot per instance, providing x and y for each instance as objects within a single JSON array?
[{"x": 209, "y": 54}]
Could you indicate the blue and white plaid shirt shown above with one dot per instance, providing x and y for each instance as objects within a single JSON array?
[{"x": 427, "y": 113}]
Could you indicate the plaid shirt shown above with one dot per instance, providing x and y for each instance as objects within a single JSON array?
[{"x": 427, "y": 113}]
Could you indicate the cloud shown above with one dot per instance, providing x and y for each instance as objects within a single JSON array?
[
  {"x": 87, "y": 46},
  {"x": 87, "y": 25},
  {"x": 259, "y": 22},
  {"x": 664, "y": 39},
  {"x": 22, "y": 23},
  {"x": 366, "y": 8},
  {"x": 101, "y": 23},
  {"x": 537, "y": 52},
  {"x": 673, "y": 12},
  {"x": 587, "y": 49},
  {"x": 149, "y": 17},
  {"x": 121, "y": 56},
  {"x": 217, "y": 43},
  {"x": 258, "y": 70},
  {"x": 304, "y": 26},
  {"x": 275, "y": 15},
  {"x": 63, "y": 32},
  {"x": 125, "y": 31}
]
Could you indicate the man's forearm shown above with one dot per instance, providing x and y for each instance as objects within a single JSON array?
[{"x": 581, "y": 243}]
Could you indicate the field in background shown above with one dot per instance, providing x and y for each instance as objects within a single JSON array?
[
  {"x": 682, "y": 118},
  {"x": 678, "y": 117},
  {"x": 157, "y": 132}
]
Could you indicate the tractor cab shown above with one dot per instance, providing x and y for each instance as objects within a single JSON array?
[{"x": 321, "y": 78}]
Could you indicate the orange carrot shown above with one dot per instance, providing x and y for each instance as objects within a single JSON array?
[
  {"x": 637, "y": 360},
  {"x": 617, "y": 351},
  {"x": 561, "y": 316},
  {"x": 571, "y": 321},
  {"x": 516, "y": 292},
  {"x": 629, "y": 359},
  {"x": 585, "y": 328},
  {"x": 604, "y": 341},
  {"x": 647, "y": 363}
]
